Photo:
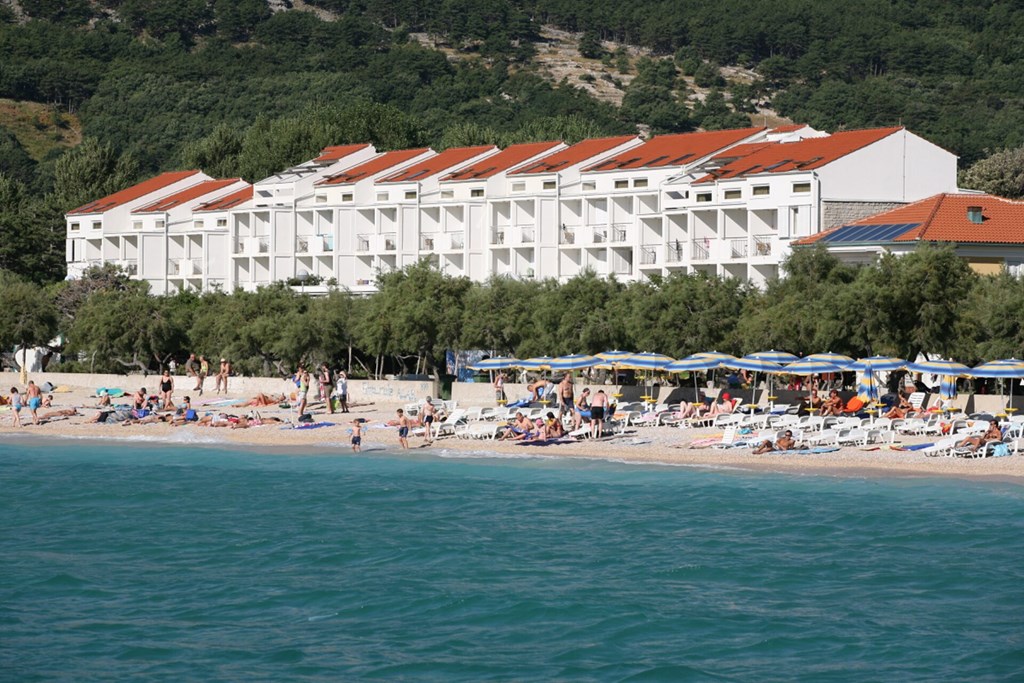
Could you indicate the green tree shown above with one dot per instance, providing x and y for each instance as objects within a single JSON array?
[
  {"x": 28, "y": 317},
  {"x": 1001, "y": 174},
  {"x": 590, "y": 45}
]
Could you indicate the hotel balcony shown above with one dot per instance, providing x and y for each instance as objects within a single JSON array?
[
  {"x": 762, "y": 245},
  {"x": 427, "y": 242},
  {"x": 648, "y": 255},
  {"x": 362, "y": 243},
  {"x": 739, "y": 247},
  {"x": 674, "y": 252},
  {"x": 131, "y": 266},
  {"x": 184, "y": 267},
  {"x": 497, "y": 237},
  {"x": 700, "y": 249},
  {"x": 251, "y": 246},
  {"x": 618, "y": 232},
  {"x": 527, "y": 235},
  {"x": 314, "y": 244},
  {"x": 567, "y": 236},
  {"x": 390, "y": 241},
  {"x": 456, "y": 241}
]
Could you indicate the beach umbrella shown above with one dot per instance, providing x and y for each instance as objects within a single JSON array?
[
  {"x": 712, "y": 354},
  {"x": 947, "y": 386},
  {"x": 755, "y": 365},
  {"x": 837, "y": 358},
  {"x": 539, "y": 363},
  {"x": 810, "y": 366},
  {"x": 1008, "y": 368},
  {"x": 574, "y": 362},
  {"x": 868, "y": 367},
  {"x": 939, "y": 367},
  {"x": 774, "y": 356},
  {"x": 499, "y": 363},
  {"x": 647, "y": 361},
  {"x": 697, "y": 362},
  {"x": 613, "y": 359}
]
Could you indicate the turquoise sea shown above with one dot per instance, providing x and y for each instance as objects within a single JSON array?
[{"x": 138, "y": 561}]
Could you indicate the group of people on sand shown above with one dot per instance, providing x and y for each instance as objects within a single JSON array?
[
  {"x": 333, "y": 388},
  {"x": 199, "y": 370},
  {"x": 33, "y": 400}
]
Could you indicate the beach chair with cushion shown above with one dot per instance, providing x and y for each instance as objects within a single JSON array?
[{"x": 826, "y": 437}]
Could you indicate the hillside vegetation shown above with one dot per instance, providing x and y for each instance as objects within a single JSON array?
[{"x": 246, "y": 87}]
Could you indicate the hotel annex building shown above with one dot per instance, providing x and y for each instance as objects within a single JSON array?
[{"x": 726, "y": 203}]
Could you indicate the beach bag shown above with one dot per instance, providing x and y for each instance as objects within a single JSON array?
[
  {"x": 1000, "y": 450},
  {"x": 190, "y": 415}
]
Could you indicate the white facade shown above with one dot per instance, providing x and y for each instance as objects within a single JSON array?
[{"x": 703, "y": 202}]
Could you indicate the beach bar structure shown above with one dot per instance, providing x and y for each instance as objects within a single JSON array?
[{"x": 728, "y": 203}]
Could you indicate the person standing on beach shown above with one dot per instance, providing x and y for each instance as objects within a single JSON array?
[
  {"x": 167, "y": 389},
  {"x": 15, "y": 407},
  {"x": 597, "y": 408},
  {"x": 303, "y": 378},
  {"x": 428, "y": 411},
  {"x": 204, "y": 371},
  {"x": 403, "y": 429},
  {"x": 565, "y": 396},
  {"x": 499, "y": 388},
  {"x": 327, "y": 387},
  {"x": 221, "y": 378},
  {"x": 192, "y": 370},
  {"x": 35, "y": 399},
  {"x": 342, "y": 388},
  {"x": 357, "y": 434}
]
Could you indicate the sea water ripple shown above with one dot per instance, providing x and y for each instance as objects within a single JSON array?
[{"x": 182, "y": 563}]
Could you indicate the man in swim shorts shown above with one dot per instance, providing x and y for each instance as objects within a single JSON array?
[
  {"x": 597, "y": 406},
  {"x": 565, "y": 396},
  {"x": 428, "y": 411},
  {"x": 403, "y": 429},
  {"x": 35, "y": 399},
  {"x": 357, "y": 434}
]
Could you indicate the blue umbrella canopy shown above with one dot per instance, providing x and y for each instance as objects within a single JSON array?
[
  {"x": 837, "y": 358},
  {"x": 614, "y": 356},
  {"x": 646, "y": 361},
  {"x": 1010, "y": 368},
  {"x": 576, "y": 361},
  {"x": 810, "y": 366},
  {"x": 774, "y": 356},
  {"x": 712, "y": 354},
  {"x": 940, "y": 367},
  {"x": 868, "y": 388},
  {"x": 499, "y": 363},
  {"x": 695, "y": 362},
  {"x": 540, "y": 363},
  {"x": 753, "y": 364}
]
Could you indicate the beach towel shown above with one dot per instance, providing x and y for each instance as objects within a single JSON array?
[
  {"x": 112, "y": 393},
  {"x": 546, "y": 442},
  {"x": 311, "y": 425},
  {"x": 797, "y": 451}
]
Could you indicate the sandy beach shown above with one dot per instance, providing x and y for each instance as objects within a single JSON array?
[{"x": 641, "y": 445}]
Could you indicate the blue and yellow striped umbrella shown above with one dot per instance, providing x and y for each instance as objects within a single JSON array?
[
  {"x": 837, "y": 358},
  {"x": 752, "y": 364},
  {"x": 1008, "y": 368},
  {"x": 810, "y": 366},
  {"x": 868, "y": 388},
  {"x": 774, "y": 356},
  {"x": 576, "y": 361},
  {"x": 939, "y": 367},
  {"x": 540, "y": 363},
  {"x": 646, "y": 361},
  {"x": 499, "y": 363},
  {"x": 696, "y": 362}
]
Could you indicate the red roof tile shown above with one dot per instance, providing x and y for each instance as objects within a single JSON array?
[
  {"x": 502, "y": 161},
  {"x": 673, "y": 150},
  {"x": 229, "y": 201},
  {"x": 788, "y": 128},
  {"x": 132, "y": 193},
  {"x": 188, "y": 194},
  {"x": 807, "y": 154},
  {"x": 437, "y": 163},
  {"x": 944, "y": 218},
  {"x": 376, "y": 165},
  {"x": 576, "y": 154},
  {"x": 336, "y": 152}
]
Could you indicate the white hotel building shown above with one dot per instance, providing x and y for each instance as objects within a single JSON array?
[{"x": 727, "y": 203}]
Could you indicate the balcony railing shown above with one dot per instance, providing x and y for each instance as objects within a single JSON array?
[
  {"x": 567, "y": 236},
  {"x": 174, "y": 266},
  {"x": 600, "y": 235},
  {"x": 762, "y": 245},
  {"x": 648, "y": 256},
  {"x": 362, "y": 243},
  {"x": 457, "y": 240},
  {"x": 674, "y": 252},
  {"x": 390, "y": 241},
  {"x": 527, "y": 235},
  {"x": 739, "y": 248},
  {"x": 426, "y": 243},
  {"x": 700, "y": 249},
  {"x": 252, "y": 245},
  {"x": 618, "y": 232},
  {"x": 302, "y": 245},
  {"x": 497, "y": 237}
]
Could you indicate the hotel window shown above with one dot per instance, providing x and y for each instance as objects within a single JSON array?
[
  {"x": 75, "y": 226},
  {"x": 411, "y": 194},
  {"x": 621, "y": 184},
  {"x": 137, "y": 225},
  {"x": 447, "y": 194},
  {"x": 589, "y": 187},
  {"x": 477, "y": 192},
  {"x": 160, "y": 225},
  {"x": 222, "y": 222},
  {"x": 382, "y": 196},
  {"x": 347, "y": 197},
  {"x": 733, "y": 194},
  {"x": 801, "y": 188},
  {"x": 549, "y": 184},
  {"x": 96, "y": 225},
  {"x": 762, "y": 190},
  {"x": 321, "y": 199},
  {"x": 703, "y": 197},
  {"x": 519, "y": 187},
  {"x": 640, "y": 182}
]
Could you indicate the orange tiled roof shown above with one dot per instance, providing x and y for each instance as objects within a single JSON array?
[
  {"x": 673, "y": 150},
  {"x": 437, "y": 163},
  {"x": 229, "y": 201},
  {"x": 132, "y": 193},
  {"x": 188, "y": 194},
  {"x": 502, "y": 161},
  {"x": 788, "y": 128},
  {"x": 336, "y": 152},
  {"x": 811, "y": 153},
  {"x": 941, "y": 218},
  {"x": 376, "y": 165},
  {"x": 576, "y": 154}
]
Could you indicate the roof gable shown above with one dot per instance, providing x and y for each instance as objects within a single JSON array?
[
  {"x": 335, "y": 152},
  {"x": 374, "y": 166},
  {"x": 226, "y": 202},
  {"x": 130, "y": 194},
  {"x": 437, "y": 163},
  {"x": 188, "y": 194},
  {"x": 673, "y": 150},
  {"x": 573, "y": 155},
  {"x": 502, "y": 161},
  {"x": 803, "y": 155}
]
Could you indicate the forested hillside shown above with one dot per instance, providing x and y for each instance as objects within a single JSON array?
[{"x": 245, "y": 87}]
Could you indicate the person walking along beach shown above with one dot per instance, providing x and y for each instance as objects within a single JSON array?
[
  {"x": 192, "y": 370},
  {"x": 403, "y": 428},
  {"x": 15, "y": 407},
  {"x": 204, "y": 371},
  {"x": 565, "y": 396},
  {"x": 35, "y": 399},
  {"x": 428, "y": 411}
]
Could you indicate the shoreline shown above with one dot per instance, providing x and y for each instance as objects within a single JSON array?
[{"x": 662, "y": 446}]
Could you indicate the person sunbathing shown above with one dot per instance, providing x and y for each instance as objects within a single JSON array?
[
  {"x": 263, "y": 400},
  {"x": 902, "y": 409},
  {"x": 833, "y": 405},
  {"x": 786, "y": 442},
  {"x": 147, "y": 419},
  {"x": 992, "y": 434},
  {"x": 519, "y": 429},
  {"x": 723, "y": 406},
  {"x": 54, "y": 414}
]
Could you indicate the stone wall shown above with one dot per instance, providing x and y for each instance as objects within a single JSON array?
[{"x": 835, "y": 214}]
